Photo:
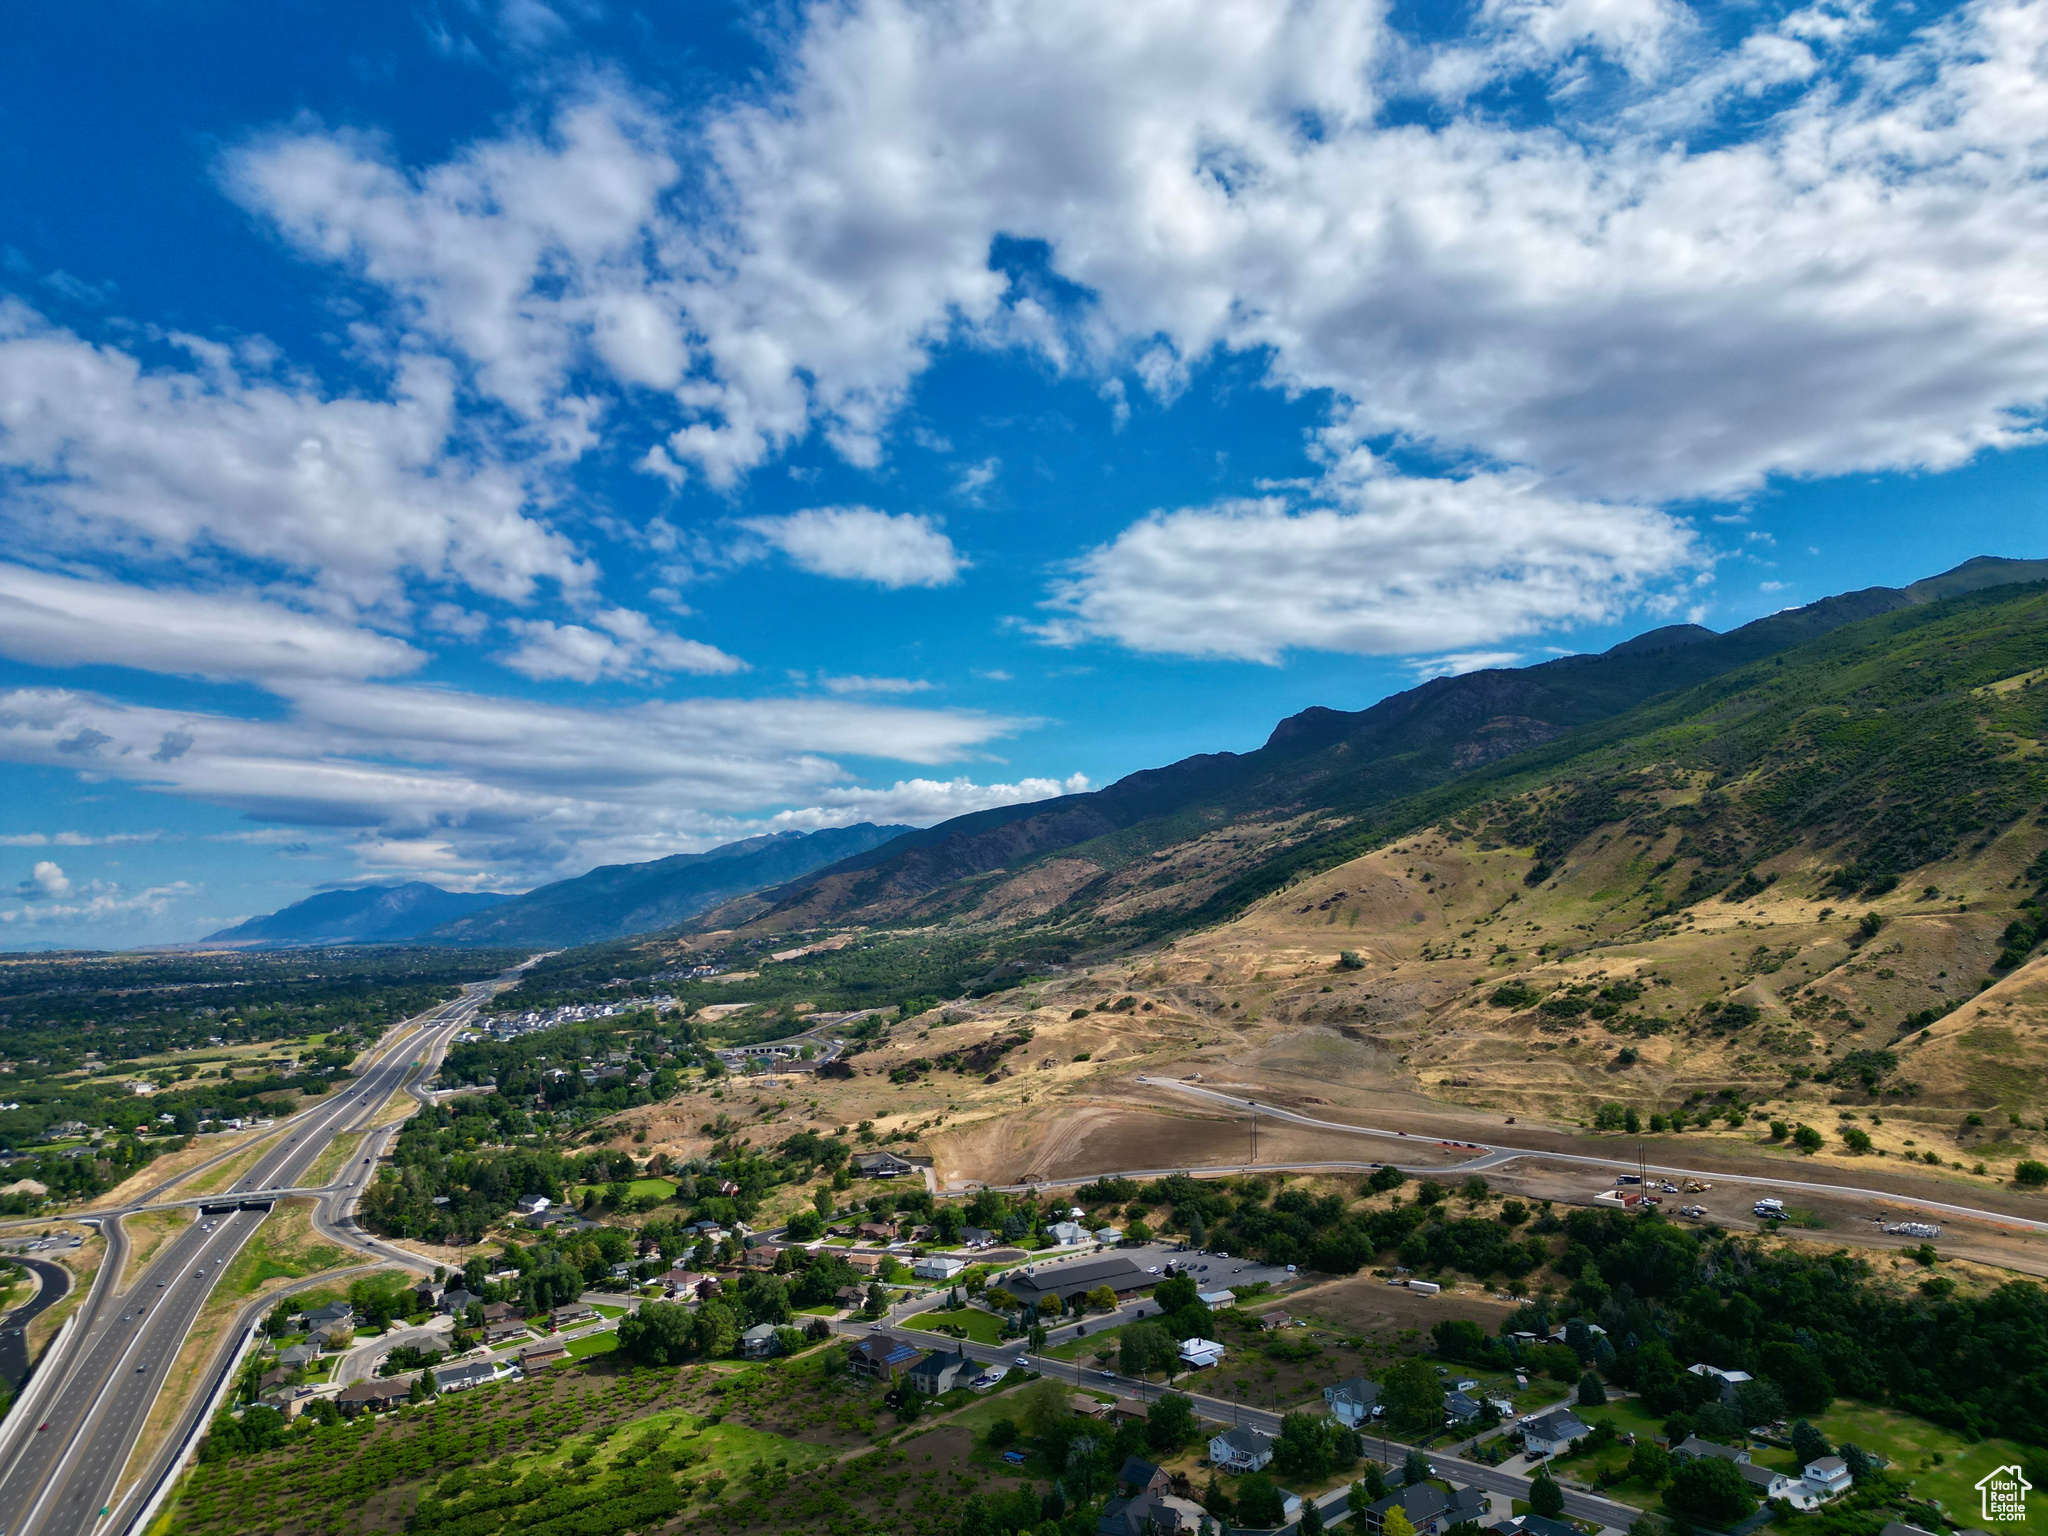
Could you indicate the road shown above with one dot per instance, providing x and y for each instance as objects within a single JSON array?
[
  {"x": 55, "y": 1286},
  {"x": 62, "y": 1477},
  {"x": 1498, "y": 1156},
  {"x": 1578, "y": 1504}
]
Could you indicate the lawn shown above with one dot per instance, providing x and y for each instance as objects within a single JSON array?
[
  {"x": 981, "y": 1327},
  {"x": 1941, "y": 1464},
  {"x": 1087, "y": 1347},
  {"x": 660, "y": 1189},
  {"x": 604, "y": 1311},
  {"x": 1586, "y": 1466},
  {"x": 593, "y": 1344}
]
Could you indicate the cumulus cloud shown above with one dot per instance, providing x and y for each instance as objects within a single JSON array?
[
  {"x": 921, "y": 802},
  {"x": 352, "y": 495},
  {"x": 1586, "y": 297},
  {"x": 63, "y": 621},
  {"x": 625, "y": 644},
  {"x": 858, "y": 684},
  {"x": 106, "y": 904},
  {"x": 901, "y": 549},
  {"x": 513, "y": 786},
  {"x": 46, "y": 879},
  {"x": 1398, "y": 565}
]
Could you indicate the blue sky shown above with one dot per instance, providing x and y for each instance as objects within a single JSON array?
[{"x": 476, "y": 442}]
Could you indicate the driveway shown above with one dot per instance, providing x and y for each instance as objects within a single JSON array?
[{"x": 360, "y": 1363}]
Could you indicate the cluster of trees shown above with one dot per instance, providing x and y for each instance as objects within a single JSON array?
[{"x": 1089, "y": 1459}]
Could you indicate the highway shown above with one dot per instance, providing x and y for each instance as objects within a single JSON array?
[
  {"x": 55, "y": 1286},
  {"x": 59, "y": 1477}
]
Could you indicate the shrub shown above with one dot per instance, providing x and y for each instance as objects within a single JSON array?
[
  {"x": 1514, "y": 994},
  {"x": 2032, "y": 1173}
]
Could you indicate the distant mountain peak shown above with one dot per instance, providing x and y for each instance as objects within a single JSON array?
[{"x": 359, "y": 914}]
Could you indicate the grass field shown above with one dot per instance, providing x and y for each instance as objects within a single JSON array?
[
  {"x": 284, "y": 1248},
  {"x": 981, "y": 1327},
  {"x": 340, "y": 1151},
  {"x": 593, "y": 1344},
  {"x": 603, "y": 1311},
  {"x": 1941, "y": 1464},
  {"x": 660, "y": 1189}
]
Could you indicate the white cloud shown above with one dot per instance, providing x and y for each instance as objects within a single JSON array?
[
  {"x": 62, "y": 621},
  {"x": 106, "y": 905},
  {"x": 857, "y": 684},
  {"x": 626, "y": 644},
  {"x": 513, "y": 787},
  {"x": 353, "y": 495},
  {"x": 900, "y": 549},
  {"x": 47, "y": 879},
  {"x": 921, "y": 802},
  {"x": 76, "y": 839},
  {"x": 1400, "y": 566},
  {"x": 977, "y": 478},
  {"x": 1458, "y": 664}
]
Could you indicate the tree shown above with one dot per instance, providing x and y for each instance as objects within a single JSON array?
[
  {"x": 1856, "y": 1139},
  {"x": 1170, "y": 1423},
  {"x": 421, "y": 1390},
  {"x": 1649, "y": 1463},
  {"x": 1214, "y": 1499},
  {"x": 1592, "y": 1391},
  {"x": 660, "y": 1333},
  {"x": 1413, "y": 1395},
  {"x": 1396, "y": 1523},
  {"x": 1370, "y": 1488},
  {"x": 805, "y": 1225},
  {"x": 1545, "y": 1497},
  {"x": 877, "y": 1301},
  {"x": 1043, "y": 1406},
  {"x": 1311, "y": 1523},
  {"x": 1143, "y": 1348},
  {"x": 1414, "y": 1468},
  {"x": 1310, "y": 1446},
  {"x": 1384, "y": 1179},
  {"x": 1858, "y": 1461},
  {"x": 1808, "y": 1443},
  {"x": 1259, "y": 1504},
  {"x": 1002, "y": 1434},
  {"x": 2030, "y": 1173},
  {"x": 1711, "y": 1489},
  {"x": 1101, "y": 1299},
  {"x": 1807, "y": 1139},
  {"x": 1760, "y": 1402},
  {"x": 716, "y": 1330}
]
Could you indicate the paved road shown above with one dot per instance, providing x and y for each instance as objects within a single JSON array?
[
  {"x": 1497, "y": 1156},
  {"x": 56, "y": 1285},
  {"x": 61, "y": 1478},
  {"x": 1577, "y": 1503}
]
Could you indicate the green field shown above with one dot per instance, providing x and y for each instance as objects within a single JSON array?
[
  {"x": 1941, "y": 1464},
  {"x": 604, "y": 1311},
  {"x": 981, "y": 1327},
  {"x": 593, "y": 1344},
  {"x": 660, "y": 1189}
]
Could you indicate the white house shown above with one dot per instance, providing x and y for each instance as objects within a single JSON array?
[
  {"x": 1197, "y": 1353},
  {"x": 1828, "y": 1476},
  {"x": 1552, "y": 1432},
  {"x": 1770, "y": 1483},
  {"x": 534, "y": 1205},
  {"x": 1109, "y": 1237},
  {"x": 1355, "y": 1401},
  {"x": 1730, "y": 1380},
  {"x": 1067, "y": 1234},
  {"x": 1243, "y": 1449},
  {"x": 1217, "y": 1298},
  {"x": 937, "y": 1266}
]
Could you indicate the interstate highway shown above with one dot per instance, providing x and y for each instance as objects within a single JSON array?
[{"x": 58, "y": 1479}]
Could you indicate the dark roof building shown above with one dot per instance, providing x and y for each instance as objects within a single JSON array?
[
  {"x": 371, "y": 1397},
  {"x": 1067, "y": 1281},
  {"x": 881, "y": 1356}
]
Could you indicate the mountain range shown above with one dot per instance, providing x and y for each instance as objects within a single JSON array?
[{"x": 364, "y": 914}]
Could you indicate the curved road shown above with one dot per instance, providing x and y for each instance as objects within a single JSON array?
[
  {"x": 61, "y": 1477},
  {"x": 55, "y": 1286},
  {"x": 1498, "y": 1156}
]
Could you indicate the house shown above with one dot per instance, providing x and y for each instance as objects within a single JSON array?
[
  {"x": 938, "y": 1372},
  {"x": 1459, "y": 1408},
  {"x": 371, "y": 1397},
  {"x": 1156, "y": 1513},
  {"x": 881, "y": 1165},
  {"x": 504, "y": 1332},
  {"x": 1550, "y": 1433},
  {"x": 1070, "y": 1280},
  {"x": 456, "y": 1302},
  {"x": 682, "y": 1284},
  {"x": 876, "y": 1232},
  {"x": 1109, "y": 1237},
  {"x": 850, "y": 1296},
  {"x": 1532, "y": 1525},
  {"x": 1828, "y": 1476},
  {"x": 977, "y": 1237},
  {"x": 424, "y": 1293},
  {"x": 761, "y": 1256},
  {"x": 1730, "y": 1380},
  {"x": 1354, "y": 1401},
  {"x": 1141, "y": 1476},
  {"x": 1085, "y": 1406},
  {"x": 501, "y": 1312},
  {"x": 542, "y": 1354},
  {"x": 1196, "y": 1354},
  {"x": 881, "y": 1357},
  {"x": 1274, "y": 1320},
  {"x": 1128, "y": 1410},
  {"x": 533, "y": 1205},
  {"x": 1217, "y": 1298},
  {"x": 865, "y": 1263},
  {"x": 1768, "y": 1482},
  {"x": 937, "y": 1266},
  {"x": 1693, "y": 1445},
  {"x": 276, "y": 1376},
  {"x": 297, "y": 1357},
  {"x": 1067, "y": 1234},
  {"x": 335, "y": 1315},
  {"x": 460, "y": 1378},
  {"x": 567, "y": 1316},
  {"x": 759, "y": 1342},
  {"x": 1423, "y": 1503},
  {"x": 1242, "y": 1449},
  {"x": 1467, "y": 1506}
]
